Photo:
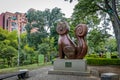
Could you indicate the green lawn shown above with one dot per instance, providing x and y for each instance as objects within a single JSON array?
[{"x": 29, "y": 67}]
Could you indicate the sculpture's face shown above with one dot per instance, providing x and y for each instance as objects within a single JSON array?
[{"x": 62, "y": 28}]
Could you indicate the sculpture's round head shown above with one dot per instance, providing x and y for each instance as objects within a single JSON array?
[
  {"x": 62, "y": 28},
  {"x": 81, "y": 30}
]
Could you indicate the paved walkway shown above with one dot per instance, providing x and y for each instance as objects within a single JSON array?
[
  {"x": 42, "y": 73},
  {"x": 35, "y": 74},
  {"x": 38, "y": 74}
]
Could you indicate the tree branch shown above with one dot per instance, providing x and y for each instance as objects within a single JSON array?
[
  {"x": 115, "y": 11},
  {"x": 101, "y": 8},
  {"x": 113, "y": 8}
]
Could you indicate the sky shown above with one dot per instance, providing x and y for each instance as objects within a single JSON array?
[{"x": 24, "y": 5}]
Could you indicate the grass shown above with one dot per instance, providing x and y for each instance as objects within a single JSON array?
[{"x": 29, "y": 67}]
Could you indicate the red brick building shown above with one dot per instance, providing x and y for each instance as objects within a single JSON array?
[
  {"x": 13, "y": 21},
  {"x": 1, "y": 20}
]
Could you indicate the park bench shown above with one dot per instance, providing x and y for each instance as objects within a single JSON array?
[{"x": 20, "y": 74}]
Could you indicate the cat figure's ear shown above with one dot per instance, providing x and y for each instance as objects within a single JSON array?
[{"x": 62, "y": 28}]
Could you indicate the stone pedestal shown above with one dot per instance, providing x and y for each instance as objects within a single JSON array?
[{"x": 70, "y": 67}]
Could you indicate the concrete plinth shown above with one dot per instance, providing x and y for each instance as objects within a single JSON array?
[
  {"x": 70, "y": 67},
  {"x": 73, "y": 73},
  {"x": 66, "y": 69}
]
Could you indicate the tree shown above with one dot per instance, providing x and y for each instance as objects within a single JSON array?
[
  {"x": 91, "y": 9},
  {"x": 40, "y": 24},
  {"x": 96, "y": 40},
  {"x": 35, "y": 27},
  {"x": 53, "y": 17}
]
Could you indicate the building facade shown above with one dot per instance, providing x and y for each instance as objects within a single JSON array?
[{"x": 13, "y": 21}]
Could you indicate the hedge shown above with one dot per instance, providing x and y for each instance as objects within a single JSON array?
[{"x": 102, "y": 61}]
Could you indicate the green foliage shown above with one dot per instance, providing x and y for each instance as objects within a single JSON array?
[
  {"x": 28, "y": 54},
  {"x": 92, "y": 56},
  {"x": 8, "y": 52},
  {"x": 23, "y": 39},
  {"x": 111, "y": 44},
  {"x": 96, "y": 40},
  {"x": 35, "y": 21},
  {"x": 95, "y": 12},
  {"x": 3, "y": 34},
  {"x": 8, "y": 46},
  {"x": 27, "y": 62},
  {"x": 2, "y": 37},
  {"x": 114, "y": 54},
  {"x": 44, "y": 48},
  {"x": 3, "y": 66},
  {"x": 12, "y": 35},
  {"x": 102, "y": 61},
  {"x": 55, "y": 35},
  {"x": 42, "y": 22},
  {"x": 85, "y": 12},
  {"x": 41, "y": 31}
]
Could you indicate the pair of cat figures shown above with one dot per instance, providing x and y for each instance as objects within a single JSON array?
[{"x": 67, "y": 48}]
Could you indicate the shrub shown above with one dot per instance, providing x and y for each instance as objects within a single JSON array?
[
  {"x": 27, "y": 62},
  {"x": 102, "y": 61},
  {"x": 3, "y": 66},
  {"x": 94, "y": 55},
  {"x": 114, "y": 55}
]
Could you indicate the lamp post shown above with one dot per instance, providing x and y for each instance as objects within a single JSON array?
[
  {"x": 20, "y": 20},
  {"x": 18, "y": 35},
  {"x": 18, "y": 48},
  {"x": 14, "y": 20}
]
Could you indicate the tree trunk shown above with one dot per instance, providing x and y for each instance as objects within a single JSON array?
[
  {"x": 116, "y": 28},
  {"x": 112, "y": 12},
  {"x": 116, "y": 24}
]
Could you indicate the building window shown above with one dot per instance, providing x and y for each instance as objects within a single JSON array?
[
  {"x": 13, "y": 18},
  {"x": 14, "y": 26},
  {"x": 13, "y": 23}
]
